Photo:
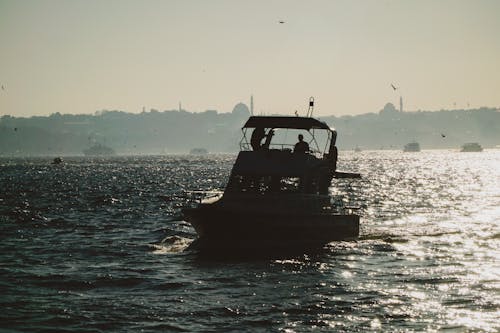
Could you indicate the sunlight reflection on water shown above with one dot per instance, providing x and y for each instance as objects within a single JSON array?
[{"x": 99, "y": 244}]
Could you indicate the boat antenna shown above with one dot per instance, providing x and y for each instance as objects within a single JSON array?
[{"x": 311, "y": 107}]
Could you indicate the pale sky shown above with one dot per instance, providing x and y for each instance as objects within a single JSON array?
[{"x": 82, "y": 56}]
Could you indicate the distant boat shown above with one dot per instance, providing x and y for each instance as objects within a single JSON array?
[
  {"x": 99, "y": 150},
  {"x": 198, "y": 151},
  {"x": 57, "y": 160},
  {"x": 471, "y": 147},
  {"x": 412, "y": 147}
]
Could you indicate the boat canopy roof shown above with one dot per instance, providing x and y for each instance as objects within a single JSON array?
[{"x": 305, "y": 123}]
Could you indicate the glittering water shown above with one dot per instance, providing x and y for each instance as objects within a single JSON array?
[{"x": 98, "y": 245}]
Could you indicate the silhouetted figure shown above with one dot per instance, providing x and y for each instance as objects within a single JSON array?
[
  {"x": 257, "y": 135},
  {"x": 301, "y": 147},
  {"x": 269, "y": 136}
]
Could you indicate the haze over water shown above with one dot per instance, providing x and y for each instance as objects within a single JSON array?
[
  {"x": 83, "y": 56},
  {"x": 98, "y": 245}
]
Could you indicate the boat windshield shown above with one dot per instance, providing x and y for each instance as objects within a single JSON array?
[{"x": 285, "y": 139}]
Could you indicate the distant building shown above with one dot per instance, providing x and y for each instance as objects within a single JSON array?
[
  {"x": 388, "y": 109},
  {"x": 251, "y": 105},
  {"x": 241, "y": 109}
]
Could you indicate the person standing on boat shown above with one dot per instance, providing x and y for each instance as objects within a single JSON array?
[
  {"x": 257, "y": 135},
  {"x": 301, "y": 147}
]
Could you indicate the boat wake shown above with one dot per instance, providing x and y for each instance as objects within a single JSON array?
[{"x": 171, "y": 244}]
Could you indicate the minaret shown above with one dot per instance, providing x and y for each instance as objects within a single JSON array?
[
  {"x": 400, "y": 103},
  {"x": 251, "y": 105}
]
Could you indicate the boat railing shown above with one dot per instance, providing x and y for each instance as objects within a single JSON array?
[
  {"x": 202, "y": 196},
  {"x": 286, "y": 147},
  {"x": 245, "y": 146}
]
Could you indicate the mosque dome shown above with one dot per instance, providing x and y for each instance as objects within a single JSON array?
[
  {"x": 389, "y": 108},
  {"x": 241, "y": 110}
]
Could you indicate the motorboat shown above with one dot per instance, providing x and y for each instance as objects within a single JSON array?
[
  {"x": 277, "y": 195},
  {"x": 471, "y": 147},
  {"x": 57, "y": 160},
  {"x": 411, "y": 147}
]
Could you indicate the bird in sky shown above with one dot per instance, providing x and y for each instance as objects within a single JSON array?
[
  {"x": 281, "y": 22},
  {"x": 393, "y": 86},
  {"x": 443, "y": 135}
]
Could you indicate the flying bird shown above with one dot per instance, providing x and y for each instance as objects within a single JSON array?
[
  {"x": 281, "y": 22},
  {"x": 393, "y": 87},
  {"x": 443, "y": 135}
]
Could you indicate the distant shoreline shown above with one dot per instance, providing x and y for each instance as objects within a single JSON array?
[{"x": 177, "y": 132}]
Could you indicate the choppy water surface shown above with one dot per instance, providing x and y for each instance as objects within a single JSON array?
[{"x": 97, "y": 245}]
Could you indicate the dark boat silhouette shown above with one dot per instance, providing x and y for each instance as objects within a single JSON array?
[
  {"x": 57, "y": 160},
  {"x": 276, "y": 198}
]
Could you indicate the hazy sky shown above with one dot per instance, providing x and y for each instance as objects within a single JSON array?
[{"x": 82, "y": 56}]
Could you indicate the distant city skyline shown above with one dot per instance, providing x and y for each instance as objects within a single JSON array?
[{"x": 79, "y": 57}]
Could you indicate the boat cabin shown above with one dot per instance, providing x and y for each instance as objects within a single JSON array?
[{"x": 273, "y": 158}]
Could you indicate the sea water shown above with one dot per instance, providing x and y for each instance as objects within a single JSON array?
[{"x": 99, "y": 245}]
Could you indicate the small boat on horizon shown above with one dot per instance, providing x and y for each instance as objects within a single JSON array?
[
  {"x": 198, "y": 151},
  {"x": 57, "y": 160},
  {"x": 412, "y": 147},
  {"x": 471, "y": 147}
]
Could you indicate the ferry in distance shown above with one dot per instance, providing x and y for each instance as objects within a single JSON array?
[
  {"x": 412, "y": 147},
  {"x": 471, "y": 147}
]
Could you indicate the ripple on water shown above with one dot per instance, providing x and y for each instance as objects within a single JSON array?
[{"x": 99, "y": 245}]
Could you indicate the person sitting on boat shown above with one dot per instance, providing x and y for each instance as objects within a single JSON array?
[
  {"x": 257, "y": 135},
  {"x": 301, "y": 147}
]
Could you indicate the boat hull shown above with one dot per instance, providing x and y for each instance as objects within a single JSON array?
[{"x": 222, "y": 228}]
